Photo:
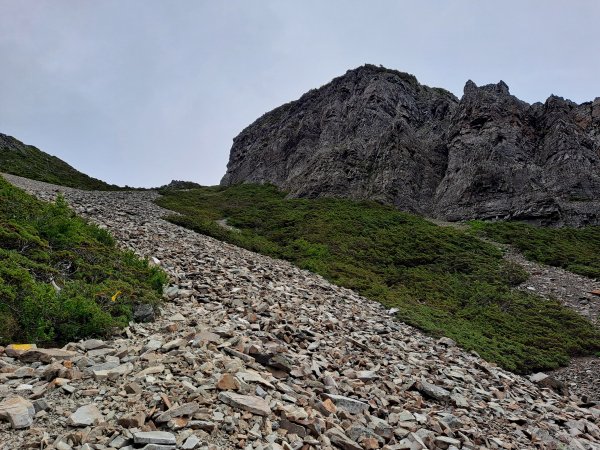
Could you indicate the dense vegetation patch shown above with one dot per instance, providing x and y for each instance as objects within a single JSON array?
[
  {"x": 574, "y": 249},
  {"x": 27, "y": 161},
  {"x": 443, "y": 280},
  {"x": 41, "y": 243}
]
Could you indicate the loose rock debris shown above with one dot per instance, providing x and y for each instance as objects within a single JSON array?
[{"x": 252, "y": 353}]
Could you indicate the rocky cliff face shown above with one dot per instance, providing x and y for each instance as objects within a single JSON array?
[{"x": 378, "y": 134}]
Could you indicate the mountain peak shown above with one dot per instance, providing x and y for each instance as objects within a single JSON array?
[{"x": 376, "y": 133}]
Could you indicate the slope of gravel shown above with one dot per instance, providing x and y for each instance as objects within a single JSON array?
[
  {"x": 571, "y": 289},
  {"x": 582, "y": 375},
  {"x": 253, "y": 353}
]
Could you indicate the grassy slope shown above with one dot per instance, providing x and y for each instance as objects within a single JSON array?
[
  {"x": 574, "y": 249},
  {"x": 41, "y": 242},
  {"x": 27, "y": 161},
  {"x": 444, "y": 281}
]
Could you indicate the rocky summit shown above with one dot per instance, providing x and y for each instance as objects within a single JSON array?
[
  {"x": 253, "y": 353},
  {"x": 379, "y": 134}
]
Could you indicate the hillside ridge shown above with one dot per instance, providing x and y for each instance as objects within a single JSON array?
[
  {"x": 28, "y": 161},
  {"x": 375, "y": 133}
]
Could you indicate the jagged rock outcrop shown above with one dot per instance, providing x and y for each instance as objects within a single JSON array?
[
  {"x": 180, "y": 185},
  {"x": 378, "y": 134}
]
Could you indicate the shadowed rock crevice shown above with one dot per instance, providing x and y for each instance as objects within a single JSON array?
[{"x": 378, "y": 134}]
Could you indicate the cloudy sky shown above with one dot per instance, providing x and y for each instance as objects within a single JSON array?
[{"x": 140, "y": 92}]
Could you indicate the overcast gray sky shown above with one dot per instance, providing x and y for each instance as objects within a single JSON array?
[{"x": 140, "y": 92}]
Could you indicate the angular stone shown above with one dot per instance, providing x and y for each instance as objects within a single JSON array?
[
  {"x": 447, "y": 342},
  {"x": 152, "y": 345},
  {"x": 537, "y": 377},
  {"x": 99, "y": 352},
  {"x": 176, "y": 343},
  {"x": 134, "y": 420},
  {"x": 433, "y": 391},
  {"x": 119, "y": 442},
  {"x": 143, "y": 313},
  {"x": 93, "y": 344},
  {"x": 86, "y": 415},
  {"x": 133, "y": 388},
  {"x": 114, "y": 373},
  {"x": 157, "y": 447},
  {"x": 205, "y": 425},
  {"x": 327, "y": 407},
  {"x": 367, "y": 375},
  {"x": 459, "y": 400},
  {"x": 253, "y": 377},
  {"x": 292, "y": 427},
  {"x": 370, "y": 443},
  {"x": 152, "y": 370},
  {"x": 101, "y": 367},
  {"x": 190, "y": 443},
  {"x": 23, "y": 372},
  {"x": 348, "y": 404},
  {"x": 40, "y": 405},
  {"x": 46, "y": 355},
  {"x": 154, "y": 437},
  {"x": 546, "y": 381},
  {"x": 337, "y": 437},
  {"x": 16, "y": 350},
  {"x": 250, "y": 403},
  {"x": 206, "y": 336},
  {"x": 18, "y": 411},
  {"x": 446, "y": 441},
  {"x": 227, "y": 382},
  {"x": 186, "y": 409}
]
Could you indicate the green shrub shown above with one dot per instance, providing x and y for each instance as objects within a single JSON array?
[
  {"x": 574, "y": 249},
  {"x": 444, "y": 281},
  {"x": 41, "y": 243}
]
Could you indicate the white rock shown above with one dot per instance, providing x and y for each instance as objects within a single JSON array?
[{"x": 86, "y": 415}]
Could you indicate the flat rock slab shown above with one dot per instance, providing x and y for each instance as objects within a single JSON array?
[
  {"x": 253, "y": 377},
  {"x": 154, "y": 437},
  {"x": 433, "y": 391},
  {"x": 18, "y": 411},
  {"x": 93, "y": 344},
  {"x": 46, "y": 355},
  {"x": 85, "y": 416},
  {"x": 184, "y": 410},
  {"x": 536, "y": 378},
  {"x": 158, "y": 447},
  {"x": 191, "y": 443},
  {"x": 114, "y": 373},
  {"x": 250, "y": 403},
  {"x": 348, "y": 404},
  {"x": 16, "y": 350}
]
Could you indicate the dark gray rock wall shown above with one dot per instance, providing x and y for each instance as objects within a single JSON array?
[{"x": 378, "y": 134}]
